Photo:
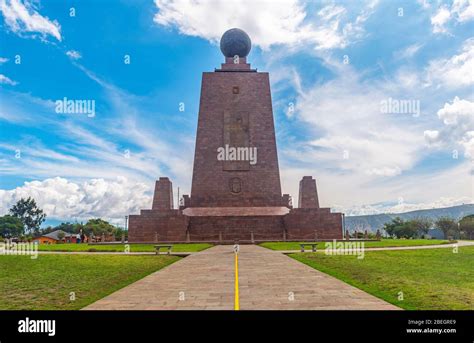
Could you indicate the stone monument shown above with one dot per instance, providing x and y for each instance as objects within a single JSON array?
[{"x": 236, "y": 191}]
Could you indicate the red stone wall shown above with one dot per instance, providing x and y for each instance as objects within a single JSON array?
[
  {"x": 311, "y": 223},
  {"x": 229, "y": 229},
  {"x": 163, "y": 196},
  {"x": 152, "y": 225},
  {"x": 172, "y": 226},
  {"x": 308, "y": 196},
  {"x": 248, "y": 93}
]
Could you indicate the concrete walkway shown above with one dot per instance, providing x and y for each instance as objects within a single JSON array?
[
  {"x": 204, "y": 280},
  {"x": 173, "y": 253},
  {"x": 268, "y": 280},
  {"x": 408, "y": 247},
  {"x": 184, "y": 253}
]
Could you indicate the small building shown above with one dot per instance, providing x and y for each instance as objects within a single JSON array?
[{"x": 53, "y": 238}]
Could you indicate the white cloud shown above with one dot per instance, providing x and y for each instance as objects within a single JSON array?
[
  {"x": 357, "y": 194},
  {"x": 22, "y": 17},
  {"x": 24, "y": 109},
  {"x": 3, "y": 60},
  {"x": 75, "y": 55},
  {"x": 408, "y": 52},
  {"x": 454, "y": 72},
  {"x": 331, "y": 11},
  {"x": 103, "y": 148},
  {"x": 175, "y": 156},
  {"x": 402, "y": 207},
  {"x": 460, "y": 11},
  {"x": 360, "y": 156},
  {"x": 424, "y": 3},
  {"x": 91, "y": 155},
  {"x": 353, "y": 134},
  {"x": 267, "y": 22},
  {"x": 65, "y": 200},
  {"x": 441, "y": 17},
  {"x": 464, "y": 9},
  {"x": 460, "y": 112},
  {"x": 62, "y": 199},
  {"x": 6, "y": 80},
  {"x": 458, "y": 120},
  {"x": 431, "y": 136}
]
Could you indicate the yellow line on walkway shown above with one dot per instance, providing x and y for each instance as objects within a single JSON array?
[{"x": 236, "y": 301}]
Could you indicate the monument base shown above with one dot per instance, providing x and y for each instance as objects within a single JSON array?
[{"x": 228, "y": 225}]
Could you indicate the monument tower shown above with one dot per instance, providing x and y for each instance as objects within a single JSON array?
[
  {"x": 236, "y": 191},
  {"x": 235, "y": 112}
]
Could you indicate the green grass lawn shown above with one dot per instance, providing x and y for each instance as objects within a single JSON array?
[
  {"x": 378, "y": 244},
  {"x": 430, "y": 279},
  {"x": 191, "y": 247},
  {"x": 45, "y": 283}
]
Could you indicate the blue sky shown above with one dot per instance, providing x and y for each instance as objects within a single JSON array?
[{"x": 332, "y": 65}]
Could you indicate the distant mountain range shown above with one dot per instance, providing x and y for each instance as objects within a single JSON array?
[{"x": 376, "y": 221}]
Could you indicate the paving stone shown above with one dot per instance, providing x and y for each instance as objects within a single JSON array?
[{"x": 265, "y": 279}]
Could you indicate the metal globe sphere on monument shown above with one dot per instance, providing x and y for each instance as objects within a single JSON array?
[{"x": 235, "y": 42}]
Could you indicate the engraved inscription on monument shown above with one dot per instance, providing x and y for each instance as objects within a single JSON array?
[{"x": 236, "y": 135}]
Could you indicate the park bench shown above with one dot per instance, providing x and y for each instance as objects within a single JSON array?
[
  {"x": 163, "y": 246},
  {"x": 313, "y": 246}
]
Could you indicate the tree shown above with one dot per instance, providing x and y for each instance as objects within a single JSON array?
[
  {"x": 119, "y": 232},
  {"x": 421, "y": 225},
  {"x": 98, "y": 227},
  {"x": 31, "y": 216},
  {"x": 61, "y": 235},
  {"x": 466, "y": 225},
  {"x": 45, "y": 231},
  {"x": 11, "y": 226},
  {"x": 66, "y": 227},
  {"x": 448, "y": 226},
  {"x": 404, "y": 229},
  {"x": 393, "y": 227},
  {"x": 407, "y": 230}
]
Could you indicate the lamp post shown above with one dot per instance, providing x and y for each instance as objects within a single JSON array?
[
  {"x": 178, "y": 198},
  {"x": 344, "y": 226},
  {"x": 126, "y": 229}
]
